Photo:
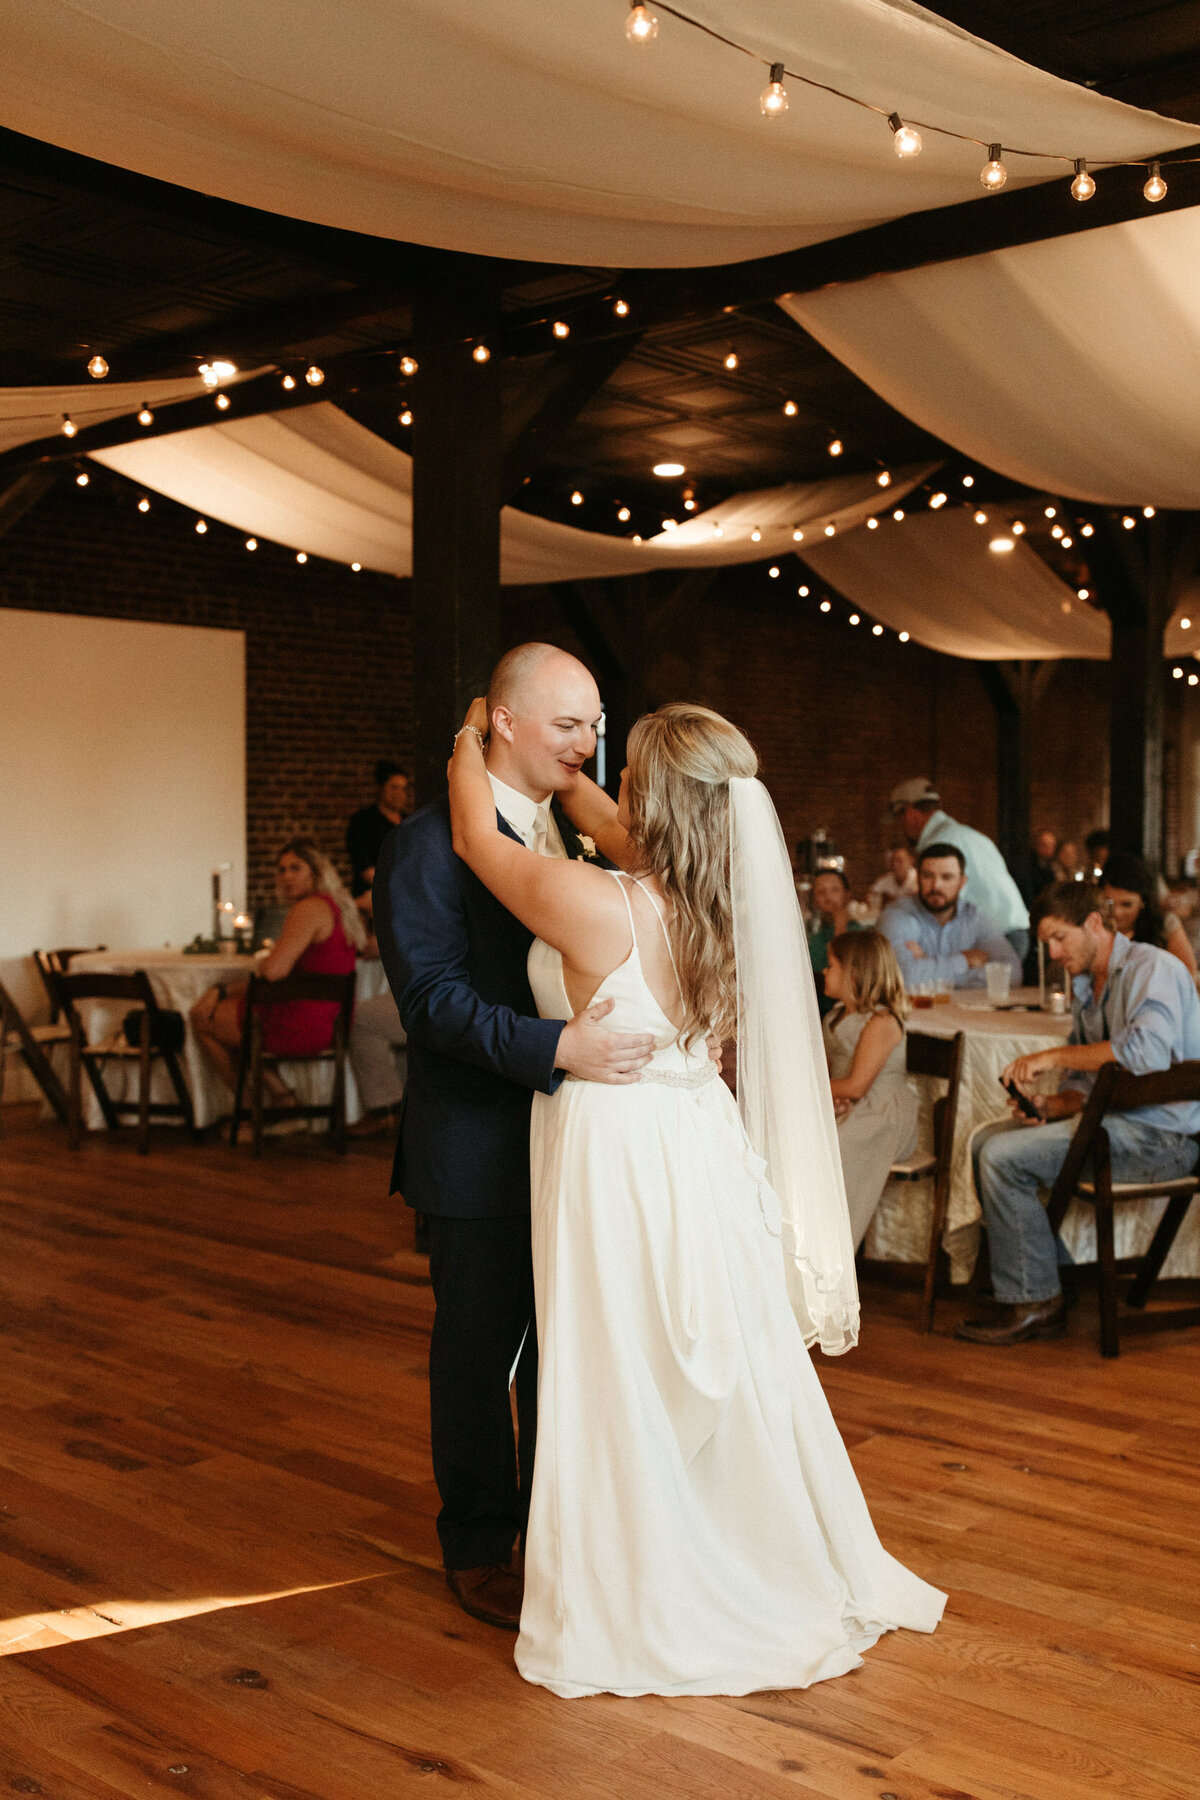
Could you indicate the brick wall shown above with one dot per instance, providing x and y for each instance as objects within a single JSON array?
[{"x": 838, "y": 716}]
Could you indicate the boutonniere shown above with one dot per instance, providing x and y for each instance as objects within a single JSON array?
[{"x": 587, "y": 846}]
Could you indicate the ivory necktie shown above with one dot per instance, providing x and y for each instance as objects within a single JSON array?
[{"x": 541, "y": 830}]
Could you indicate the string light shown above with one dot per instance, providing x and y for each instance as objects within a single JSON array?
[
  {"x": 797, "y": 535},
  {"x": 981, "y": 518},
  {"x": 621, "y": 308},
  {"x": 1086, "y": 530},
  {"x": 1051, "y": 512},
  {"x": 301, "y": 557},
  {"x": 903, "y": 636},
  {"x": 689, "y": 505},
  {"x": 406, "y": 417},
  {"x": 561, "y": 329},
  {"x": 790, "y": 409},
  {"x": 1184, "y": 624},
  {"x": 1000, "y": 546},
  {"x": 145, "y": 416},
  {"x": 641, "y": 27},
  {"x": 825, "y": 606},
  {"x": 877, "y": 631},
  {"x": 1056, "y": 531},
  {"x": 1128, "y": 523},
  {"x": 69, "y": 427},
  {"x": 829, "y": 530},
  {"x": 670, "y": 524},
  {"x": 222, "y": 402},
  {"x": 143, "y": 505},
  {"x": 668, "y": 469},
  {"x": 213, "y": 373},
  {"x": 288, "y": 383},
  {"x": 313, "y": 375},
  {"x": 872, "y": 524},
  {"x": 1177, "y": 673},
  {"x": 481, "y": 353},
  {"x": 1192, "y": 680},
  {"x": 1018, "y": 528},
  {"x": 81, "y": 480},
  {"x": 201, "y": 526},
  {"x": 731, "y": 360},
  {"x": 884, "y": 478},
  {"x": 623, "y": 515},
  {"x": 1067, "y": 542},
  {"x": 854, "y": 619},
  {"x": 993, "y": 173},
  {"x": 718, "y": 531},
  {"x": 97, "y": 368},
  {"x": 773, "y": 571},
  {"x": 936, "y": 500},
  {"x": 756, "y": 536},
  {"x": 1156, "y": 188},
  {"x": 803, "y": 592},
  {"x": 356, "y": 568},
  {"x": 252, "y": 543},
  {"x": 1083, "y": 187},
  {"x": 968, "y": 481},
  {"x": 1147, "y": 512},
  {"x": 836, "y": 447},
  {"x": 898, "y": 514},
  {"x": 1084, "y": 593},
  {"x": 577, "y": 498},
  {"x": 906, "y": 141},
  {"x": 773, "y": 101},
  {"x": 1066, "y": 606}
]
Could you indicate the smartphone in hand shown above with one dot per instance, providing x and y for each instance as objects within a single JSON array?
[{"x": 1024, "y": 1103}]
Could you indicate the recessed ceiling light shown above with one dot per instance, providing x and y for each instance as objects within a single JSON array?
[{"x": 668, "y": 468}]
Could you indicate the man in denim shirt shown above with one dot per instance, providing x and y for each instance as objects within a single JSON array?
[
  {"x": 1133, "y": 1004},
  {"x": 937, "y": 934}
]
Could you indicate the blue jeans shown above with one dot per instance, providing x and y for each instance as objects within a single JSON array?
[{"x": 1011, "y": 1163}]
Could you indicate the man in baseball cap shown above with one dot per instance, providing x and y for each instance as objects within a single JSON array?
[{"x": 917, "y": 806}]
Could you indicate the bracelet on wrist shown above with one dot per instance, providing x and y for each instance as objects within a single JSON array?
[{"x": 474, "y": 731}]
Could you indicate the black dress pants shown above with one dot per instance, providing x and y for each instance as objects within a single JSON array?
[{"x": 482, "y": 1274}]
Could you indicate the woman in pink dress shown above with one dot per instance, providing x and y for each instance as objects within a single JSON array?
[{"x": 322, "y": 935}]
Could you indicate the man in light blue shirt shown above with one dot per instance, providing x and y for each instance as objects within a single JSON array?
[
  {"x": 1133, "y": 1004},
  {"x": 917, "y": 806},
  {"x": 937, "y": 934}
]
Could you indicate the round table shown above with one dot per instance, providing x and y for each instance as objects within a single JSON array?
[
  {"x": 992, "y": 1038},
  {"x": 178, "y": 979}
]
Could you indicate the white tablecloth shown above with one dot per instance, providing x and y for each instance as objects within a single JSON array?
[
  {"x": 899, "y": 1231},
  {"x": 178, "y": 981}
]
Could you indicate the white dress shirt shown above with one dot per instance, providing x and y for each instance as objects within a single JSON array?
[{"x": 533, "y": 821}]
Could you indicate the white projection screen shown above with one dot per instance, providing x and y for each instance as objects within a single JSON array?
[{"x": 122, "y": 784}]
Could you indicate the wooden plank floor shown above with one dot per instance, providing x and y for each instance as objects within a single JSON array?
[{"x": 219, "y": 1574}]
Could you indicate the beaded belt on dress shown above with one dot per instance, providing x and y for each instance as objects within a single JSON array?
[{"x": 670, "y": 1077}]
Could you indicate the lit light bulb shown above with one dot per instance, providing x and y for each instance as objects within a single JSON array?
[
  {"x": 1147, "y": 512},
  {"x": 1083, "y": 187},
  {"x": 637, "y": 537},
  {"x": 1156, "y": 187},
  {"x": 773, "y": 101},
  {"x": 621, "y": 308},
  {"x": 993, "y": 173},
  {"x": 481, "y": 353},
  {"x": 1067, "y": 542},
  {"x": 201, "y": 526},
  {"x": 1056, "y": 531},
  {"x": 356, "y": 568},
  {"x": 1018, "y": 528},
  {"x": 577, "y": 498},
  {"x": 561, "y": 329},
  {"x": 1184, "y": 624},
  {"x": 406, "y": 417},
  {"x": 854, "y": 619},
  {"x": 936, "y": 500},
  {"x": 718, "y": 531},
  {"x": 1084, "y": 593},
  {"x": 790, "y": 409},
  {"x": 884, "y": 478},
  {"x": 313, "y": 375},
  {"x": 968, "y": 481},
  {"x": 1086, "y": 530},
  {"x": 877, "y": 631},
  {"x": 803, "y": 592},
  {"x": 1066, "y": 606},
  {"x": 1193, "y": 679},
  {"x": 981, "y": 518},
  {"x": 756, "y": 536},
  {"x": 69, "y": 427},
  {"x": 797, "y": 536},
  {"x": 145, "y": 416},
  {"x": 288, "y": 383},
  {"x": 1128, "y": 523},
  {"x": 1177, "y": 673},
  {"x": 81, "y": 480},
  {"x": 408, "y": 365},
  {"x": 906, "y": 140},
  {"x": 301, "y": 557},
  {"x": 252, "y": 543},
  {"x": 667, "y": 469},
  {"x": 1052, "y": 512},
  {"x": 825, "y": 606},
  {"x": 773, "y": 571},
  {"x": 641, "y": 27},
  {"x": 222, "y": 402},
  {"x": 213, "y": 373},
  {"x": 903, "y": 636},
  {"x": 689, "y": 506},
  {"x": 829, "y": 530},
  {"x": 872, "y": 524},
  {"x": 836, "y": 446},
  {"x": 623, "y": 515},
  {"x": 731, "y": 360},
  {"x": 143, "y": 505},
  {"x": 97, "y": 368},
  {"x": 898, "y": 514},
  {"x": 670, "y": 524},
  {"x": 1001, "y": 545}
]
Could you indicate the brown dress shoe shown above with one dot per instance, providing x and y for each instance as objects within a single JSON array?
[
  {"x": 492, "y": 1593},
  {"x": 1016, "y": 1324}
]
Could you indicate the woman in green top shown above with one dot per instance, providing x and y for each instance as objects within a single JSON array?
[{"x": 831, "y": 909}]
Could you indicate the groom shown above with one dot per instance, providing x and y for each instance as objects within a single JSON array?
[{"x": 477, "y": 1052}]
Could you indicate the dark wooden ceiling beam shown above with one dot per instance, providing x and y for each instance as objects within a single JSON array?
[{"x": 551, "y": 403}]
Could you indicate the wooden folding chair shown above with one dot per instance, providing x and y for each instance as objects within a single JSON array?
[
  {"x": 33, "y": 1044},
  {"x": 58, "y": 962},
  {"x": 254, "y": 1060},
  {"x": 1115, "y": 1091},
  {"x": 941, "y": 1057},
  {"x": 152, "y": 1047}
]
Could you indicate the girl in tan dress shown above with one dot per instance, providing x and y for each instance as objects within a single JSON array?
[{"x": 864, "y": 1045}]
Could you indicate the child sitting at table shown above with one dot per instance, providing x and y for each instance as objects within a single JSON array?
[{"x": 864, "y": 1046}]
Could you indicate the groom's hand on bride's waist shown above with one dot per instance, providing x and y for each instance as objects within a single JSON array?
[{"x": 590, "y": 1051}]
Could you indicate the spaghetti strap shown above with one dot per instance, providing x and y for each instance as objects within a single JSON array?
[
  {"x": 616, "y": 875},
  {"x": 665, "y": 932}
]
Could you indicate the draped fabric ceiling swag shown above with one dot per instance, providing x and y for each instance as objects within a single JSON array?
[{"x": 533, "y": 131}]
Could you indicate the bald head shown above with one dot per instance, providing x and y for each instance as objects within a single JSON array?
[{"x": 543, "y": 706}]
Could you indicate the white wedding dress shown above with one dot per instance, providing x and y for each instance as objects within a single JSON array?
[{"x": 696, "y": 1526}]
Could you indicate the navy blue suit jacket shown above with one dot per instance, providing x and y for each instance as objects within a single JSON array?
[{"x": 455, "y": 959}]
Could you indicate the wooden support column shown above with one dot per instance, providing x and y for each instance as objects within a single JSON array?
[
  {"x": 1015, "y": 689},
  {"x": 456, "y": 508}
]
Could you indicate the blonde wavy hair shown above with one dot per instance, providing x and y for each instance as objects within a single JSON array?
[
  {"x": 326, "y": 880},
  {"x": 872, "y": 979},
  {"x": 681, "y": 760}
]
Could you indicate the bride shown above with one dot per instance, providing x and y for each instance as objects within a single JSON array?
[{"x": 696, "y": 1526}]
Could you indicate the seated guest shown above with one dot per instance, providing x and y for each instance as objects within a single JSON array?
[
  {"x": 1096, "y": 846},
  {"x": 371, "y": 824},
  {"x": 918, "y": 809},
  {"x": 1133, "y": 1004},
  {"x": 938, "y": 935},
  {"x": 864, "y": 1046},
  {"x": 831, "y": 915},
  {"x": 1037, "y": 872},
  {"x": 1068, "y": 864},
  {"x": 1132, "y": 887},
  {"x": 322, "y": 933},
  {"x": 901, "y": 878},
  {"x": 377, "y": 1055}
]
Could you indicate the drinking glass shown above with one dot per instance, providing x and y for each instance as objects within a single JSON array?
[{"x": 997, "y": 975}]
